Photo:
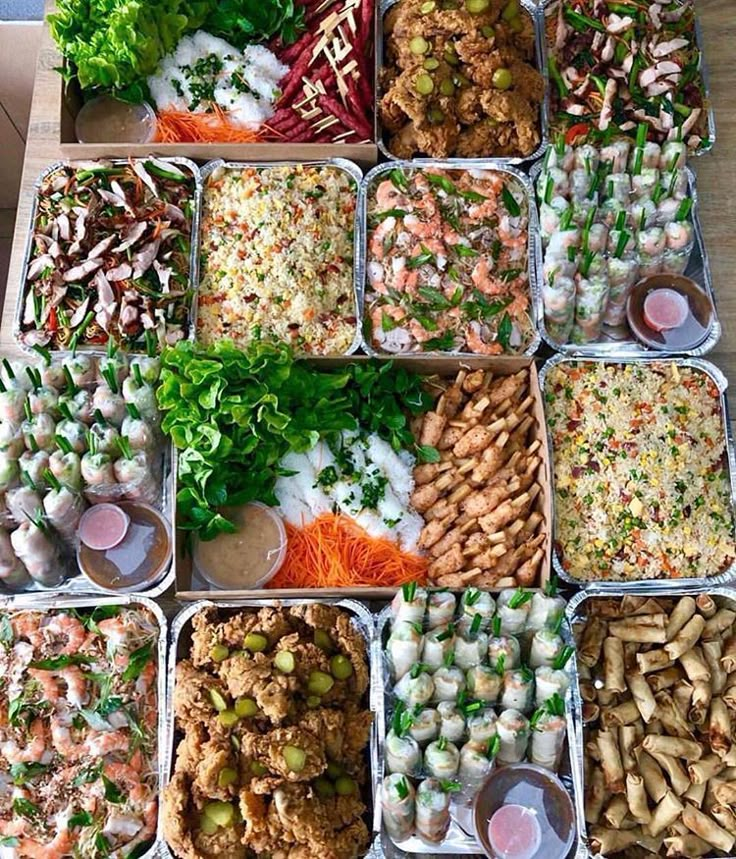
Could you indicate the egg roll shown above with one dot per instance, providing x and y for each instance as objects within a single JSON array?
[
  {"x": 636, "y": 796},
  {"x": 609, "y": 841},
  {"x": 702, "y": 694},
  {"x": 702, "y": 771},
  {"x": 666, "y": 812},
  {"x": 713, "y": 653},
  {"x": 653, "y": 660},
  {"x": 588, "y": 690},
  {"x": 613, "y": 665},
  {"x": 725, "y": 817},
  {"x": 678, "y": 747},
  {"x": 719, "y": 623},
  {"x": 695, "y": 794},
  {"x": 627, "y": 741},
  {"x": 631, "y": 604},
  {"x": 616, "y": 811},
  {"x": 642, "y": 695},
  {"x": 596, "y": 796},
  {"x": 613, "y": 770},
  {"x": 591, "y": 712},
  {"x": 673, "y": 716},
  {"x": 624, "y": 714},
  {"x": 695, "y": 665},
  {"x": 679, "y": 779},
  {"x": 647, "y": 629},
  {"x": 680, "y": 615},
  {"x": 706, "y": 828},
  {"x": 687, "y": 847},
  {"x": 728, "y": 659},
  {"x": 651, "y": 772},
  {"x": 589, "y": 648},
  {"x": 706, "y": 605},
  {"x": 664, "y": 679},
  {"x": 686, "y": 638},
  {"x": 719, "y": 727},
  {"x": 682, "y": 695},
  {"x": 729, "y": 693}
]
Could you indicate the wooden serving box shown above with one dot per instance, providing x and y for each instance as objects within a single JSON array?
[{"x": 189, "y": 586}]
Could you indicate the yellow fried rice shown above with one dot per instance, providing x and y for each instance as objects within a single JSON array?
[
  {"x": 277, "y": 257},
  {"x": 642, "y": 487}
]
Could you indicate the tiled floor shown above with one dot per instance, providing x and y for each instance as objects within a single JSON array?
[{"x": 7, "y": 219}]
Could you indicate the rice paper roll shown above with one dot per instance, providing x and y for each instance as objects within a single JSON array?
[
  {"x": 39, "y": 432},
  {"x": 548, "y": 682},
  {"x": 13, "y": 573},
  {"x": 403, "y": 754},
  {"x": 410, "y": 604},
  {"x": 476, "y": 602},
  {"x": 561, "y": 242},
  {"x": 553, "y": 182},
  {"x": 558, "y": 266},
  {"x": 39, "y": 553},
  {"x": 482, "y": 726},
  {"x": 12, "y": 405},
  {"x": 66, "y": 468},
  {"x": 34, "y": 468},
  {"x": 438, "y": 646},
  {"x": 425, "y": 726},
  {"x": 64, "y": 509},
  {"x": 513, "y": 610},
  {"x": 432, "y": 817},
  {"x": 476, "y": 762},
  {"x": 398, "y": 804},
  {"x": 504, "y": 652},
  {"x": 442, "y": 758},
  {"x": 558, "y": 296},
  {"x": 11, "y": 440},
  {"x": 513, "y": 734},
  {"x": 449, "y": 682},
  {"x": 518, "y": 690},
  {"x": 549, "y": 216},
  {"x": 545, "y": 611},
  {"x": 642, "y": 214},
  {"x": 415, "y": 688},
  {"x": 548, "y": 738},
  {"x": 440, "y": 609},
  {"x": 675, "y": 262},
  {"x": 591, "y": 299},
  {"x": 470, "y": 647},
  {"x": 545, "y": 648},
  {"x": 622, "y": 275},
  {"x": 645, "y": 183},
  {"x": 452, "y": 721},
  {"x": 23, "y": 504},
  {"x": 74, "y": 433},
  {"x": 483, "y": 683}
]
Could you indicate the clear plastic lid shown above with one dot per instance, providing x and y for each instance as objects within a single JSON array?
[{"x": 105, "y": 119}]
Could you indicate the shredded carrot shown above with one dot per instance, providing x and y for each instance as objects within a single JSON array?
[
  {"x": 183, "y": 126},
  {"x": 334, "y": 552}
]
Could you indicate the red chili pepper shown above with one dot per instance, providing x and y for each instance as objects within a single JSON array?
[
  {"x": 575, "y": 131},
  {"x": 53, "y": 321}
]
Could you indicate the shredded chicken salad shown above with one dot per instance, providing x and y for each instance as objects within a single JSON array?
[
  {"x": 270, "y": 712},
  {"x": 110, "y": 256},
  {"x": 642, "y": 488},
  {"x": 78, "y": 731}
]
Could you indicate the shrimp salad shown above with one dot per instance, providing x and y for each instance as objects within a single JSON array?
[
  {"x": 447, "y": 262},
  {"x": 609, "y": 216},
  {"x": 277, "y": 257},
  {"x": 78, "y": 732}
]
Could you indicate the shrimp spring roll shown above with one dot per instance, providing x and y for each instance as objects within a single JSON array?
[
  {"x": 440, "y": 609},
  {"x": 518, "y": 690},
  {"x": 439, "y": 643},
  {"x": 550, "y": 681},
  {"x": 482, "y": 726},
  {"x": 513, "y": 734},
  {"x": 471, "y": 644},
  {"x": 545, "y": 648},
  {"x": 513, "y": 609},
  {"x": 484, "y": 683},
  {"x": 547, "y": 607},
  {"x": 476, "y": 602},
  {"x": 403, "y": 648},
  {"x": 476, "y": 760},
  {"x": 409, "y": 603},
  {"x": 549, "y": 729},
  {"x": 503, "y": 646},
  {"x": 442, "y": 759},
  {"x": 403, "y": 754},
  {"x": 432, "y": 818},
  {"x": 425, "y": 726},
  {"x": 416, "y": 687},
  {"x": 452, "y": 721},
  {"x": 449, "y": 682},
  {"x": 398, "y": 803}
]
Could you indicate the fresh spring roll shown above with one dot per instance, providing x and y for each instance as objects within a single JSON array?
[
  {"x": 476, "y": 602},
  {"x": 398, "y": 803},
  {"x": 425, "y": 726},
  {"x": 409, "y": 603},
  {"x": 414, "y": 688},
  {"x": 63, "y": 510},
  {"x": 513, "y": 734},
  {"x": 549, "y": 217},
  {"x": 476, "y": 761},
  {"x": 403, "y": 754},
  {"x": 504, "y": 651},
  {"x": 452, "y": 721},
  {"x": 439, "y": 644},
  {"x": 471, "y": 645},
  {"x": 403, "y": 648},
  {"x": 39, "y": 553},
  {"x": 482, "y": 726},
  {"x": 440, "y": 609},
  {"x": 558, "y": 297},
  {"x": 548, "y": 682},
  {"x": 552, "y": 182},
  {"x": 442, "y": 758},
  {"x": 432, "y": 818},
  {"x": 518, "y": 690},
  {"x": 549, "y": 729},
  {"x": 483, "y": 683},
  {"x": 513, "y": 608},
  {"x": 13, "y": 573},
  {"x": 546, "y": 647},
  {"x": 546, "y": 609},
  {"x": 449, "y": 682},
  {"x": 622, "y": 275},
  {"x": 674, "y": 262},
  {"x": 591, "y": 299}
]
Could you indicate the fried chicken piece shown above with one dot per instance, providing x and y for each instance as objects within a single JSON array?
[
  {"x": 403, "y": 98},
  {"x": 329, "y": 725},
  {"x": 208, "y": 630},
  {"x": 255, "y": 677},
  {"x": 352, "y": 644},
  {"x": 254, "y": 810},
  {"x": 192, "y": 701},
  {"x": 268, "y": 749},
  {"x": 468, "y": 105},
  {"x": 225, "y": 843},
  {"x": 357, "y": 734}
]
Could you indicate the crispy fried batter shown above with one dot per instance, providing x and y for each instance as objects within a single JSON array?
[{"x": 192, "y": 701}]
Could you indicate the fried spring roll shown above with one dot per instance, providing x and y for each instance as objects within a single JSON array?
[
  {"x": 624, "y": 714},
  {"x": 707, "y": 829},
  {"x": 703, "y": 770},
  {"x": 702, "y": 694},
  {"x": 695, "y": 794},
  {"x": 676, "y": 773},
  {"x": 616, "y": 811},
  {"x": 686, "y": 638},
  {"x": 728, "y": 660},
  {"x": 642, "y": 695},
  {"x": 589, "y": 649},
  {"x": 719, "y": 623},
  {"x": 687, "y": 847},
  {"x": 651, "y": 772},
  {"x": 653, "y": 660},
  {"x": 628, "y": 739},
  {"x": 695, "y": 665},
  {"x": 719, "y": 726},
  {"x": 706, "y": 605},
  {"x": 666, "y": 813},
  {"x": 664, "y": 679},
  {"x": 678, "y": 747},
  {"x": 613, "y": 665},
  {"x": 725, "y": 792},
  {"x": 680, "y": 615},
  {"x": 713, "y": 653},
  {"x": 610, "y": 841},
  {"x": 645, "y": 629},
  {"x": 613, "y": 770},
  {"x": 595, "y": 796},
  {"x": 725, "y": 817},
  {"x": 672, "y": 716},
  {"x": 636, "y": 796}
]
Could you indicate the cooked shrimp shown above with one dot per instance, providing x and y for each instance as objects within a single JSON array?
[
  {"x": 388, "y": 196},
  {"x": 477, "y": 344},
  {"x": 33, "y": 752},
  {"x": 60, "y": 846},
  {"x": 76, "y": 686},
  {"x": 105, "y": 742},
  {"x": 26, "y": 625},
  {"x": 422, "y": 229},
  {"x": 61, "y": 738},
  {"x": 126, "y": 776},
  {"x": 49, "y": 685},
  {"x": 69, "y": 630}
]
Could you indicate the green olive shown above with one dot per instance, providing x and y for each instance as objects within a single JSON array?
[
  {"x": 424, "y": 84},
  {"x": 257, "y": 768},
  {"x": 324, "y": 787},
  {"x": 502, "y": 79},
  {"x": 447, "y": 87},
  {"x": 435, "y": 116},
  {"x": 341, "y": 667},
  {"x": 207, "y": 825},
  {"x": 314, "y": 701},
  {"x": 475, "y": 7},
  {"x": 218, "y": 700},
  {"x": 511, "y": 10},
  {"x": 246, "y": 708},
  {"x": 255, "y": 642},
  {"x": 418, "y": 45},
  {"x": 488, "y": 31},
  {"x": 323, "y": 640},
  {"x": 451, "y": 58},
  {"x": 334, "y": 770},
  {"x": 227, "y": 777},
  {"x": 319, "y": 683},
  {"x": 220, "y": 813},
  {"x": 219, "y": 653},
  {"x": 295, "y": 758},
  {"x": 228, "y": 718},
  {"x": 284, "y": 661},
  {"x": 345, "y": 786},
  {"x": 427, "y": 7},
  {"x": 431, "y": 63}
]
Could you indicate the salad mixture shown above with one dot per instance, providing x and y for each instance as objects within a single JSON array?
[
  {"x": 277, "y": 257},
  {"x": 447, "y": 262},
  {"x": 642, "y": 487},
  {"x": 79, "y": 739},
  {"x": 613, "y": 65},
  {"x": 110, "y": 257}
]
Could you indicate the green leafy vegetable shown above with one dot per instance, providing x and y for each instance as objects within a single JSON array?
[
  {"x": 6, "y": 630},
  {"x": 80, "y": 818},
  {"x": 243, "y": 22},
  {"x": 25, "y": 808},
  {"x": 112, "y": 791},
  {"x": 138, "y": 660},
  {"x": 24, "y": 772}
]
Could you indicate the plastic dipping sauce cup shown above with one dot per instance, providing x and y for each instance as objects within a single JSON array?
[
  {"x": 514, "y": 832},
  {"x": 103, "y": 526}
]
